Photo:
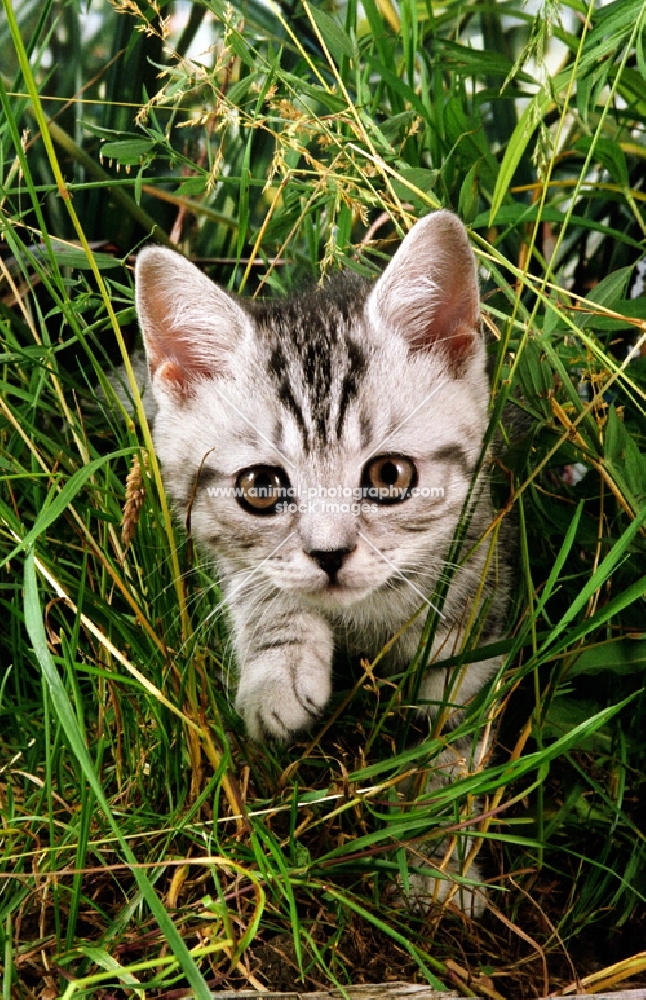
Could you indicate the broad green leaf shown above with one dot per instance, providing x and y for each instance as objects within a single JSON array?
[
  {"x": 606, "y": 293},
  {"x": 78, "y": 260},
  {"x": 627, "y": 310},
  {"x": 613, "y": 25},
  {"x": 238, "y": 91},
  {"x": 465, "y": 131},
  {"x": 398, "y": 87},
  {"x": 536, "y": 376},
  {"x": 615, "y": 437},
  {"x": 332, "y": 33},
  {"x": 515, "y": 214},
  {"x": 567, "y": 713},
  {"x": 527, "y": 125},
  {"x": 392, "y": 126},
  {"x": 624, "y": 460},
  {"x": 417, "y": 177},
  {"x": 477, "y": 61},
  {"x": 129, "y": 151},
  {"x": 469, "y": 199},
  {"x": 193, "y": 186},
  {"x": 617, "y": 656},
  {"x": 610, "y": 154},
  {"x": 326, "y": 98},
  {"x": 611, "y": 288}
]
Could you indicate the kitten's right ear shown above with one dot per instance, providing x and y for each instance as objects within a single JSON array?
[
  {"x": 190, "y": 326},
  {"x": 429, "y": 291}
]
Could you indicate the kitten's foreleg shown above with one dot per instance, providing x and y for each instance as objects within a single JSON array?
[
  {"x": 285, "y": 674},
  {"x": 457, "y": 761},
  {"x": 451, "y": 859}
]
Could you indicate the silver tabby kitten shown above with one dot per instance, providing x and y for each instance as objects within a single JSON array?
[
  {"x": 348, "y": 421},
  {"x": 332, "y": 437}
]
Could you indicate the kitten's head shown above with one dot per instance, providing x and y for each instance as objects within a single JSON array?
[{"x": 325, "y": 442}]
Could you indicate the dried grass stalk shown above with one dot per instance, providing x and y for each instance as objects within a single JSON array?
[{"x": 135, "y": 494}]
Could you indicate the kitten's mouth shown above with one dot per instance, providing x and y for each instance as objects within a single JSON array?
[
  {"x": 329, "y": 587},
  {"x": 333, "y": 587},
  {"x": 335, "y": 594}
]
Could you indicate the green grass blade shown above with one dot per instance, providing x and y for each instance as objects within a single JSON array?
[
  {"x": 71, "y": 488},
  {"x": 67, "y": 718}
]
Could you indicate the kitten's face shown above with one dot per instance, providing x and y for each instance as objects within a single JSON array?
[{"x": 324, "y": 445}]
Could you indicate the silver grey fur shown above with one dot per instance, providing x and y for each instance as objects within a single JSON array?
[{"x": 318, "y": 385}]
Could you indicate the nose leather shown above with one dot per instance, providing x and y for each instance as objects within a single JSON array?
[{"x": 330, "y": 560}]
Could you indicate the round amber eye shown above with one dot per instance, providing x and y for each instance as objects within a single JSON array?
[
  {"x": 389, "y": 479},
  {"x": 261, "y": 488}
]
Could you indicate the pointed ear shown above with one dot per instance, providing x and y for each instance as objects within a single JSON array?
[
  {"x": 429, "y": 290},
  {"x": 190, "y": 326}
]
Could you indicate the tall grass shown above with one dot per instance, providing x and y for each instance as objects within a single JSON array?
[{"x": 146, "y": 843}]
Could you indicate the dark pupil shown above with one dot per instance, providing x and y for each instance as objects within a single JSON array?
[
  {"x": 389, "y": 473},
  {"x": 263, "y": 484}
]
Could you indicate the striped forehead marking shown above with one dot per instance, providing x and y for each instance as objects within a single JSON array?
[{"x": 315, "y": 358}]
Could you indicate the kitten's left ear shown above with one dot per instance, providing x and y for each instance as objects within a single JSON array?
[
  {"x": 429, "y": 291},
  {"x": 190, "y": 326}
]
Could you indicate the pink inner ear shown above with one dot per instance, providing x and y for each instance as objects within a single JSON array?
[
  {"x": 457, "y": 345},
  {"x": 190, "y": 326},
  {"x": 178, "y": 360},
  {"x": 177, "y": 379},
  {"x": 172, "y": 346},
  {"x": 453, "y": 325},
  {"x": 429, "y": 291}
]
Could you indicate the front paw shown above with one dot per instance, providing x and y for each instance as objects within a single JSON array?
[{"x": 283, "y": 691}]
